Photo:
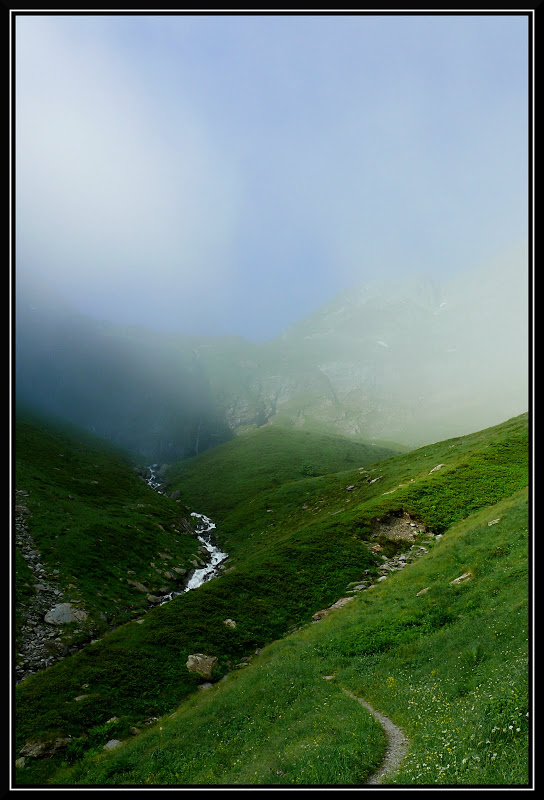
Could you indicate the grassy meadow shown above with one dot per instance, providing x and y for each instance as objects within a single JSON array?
[{"x": 445, "y": 661}]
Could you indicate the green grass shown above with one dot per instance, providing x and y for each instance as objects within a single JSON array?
[
  {"x": 276, "y": 723},
  {"x": 456, "y": 678},
  {"x": 285, "y": 565},
  {"x": 449, "y": 667},
  {"x": 477, "y": 470},
  {"x": 264, "y": 458}
]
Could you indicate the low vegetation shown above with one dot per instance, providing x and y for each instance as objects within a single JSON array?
[
  {"x": 262, "y": 459},
  {"x": 446, "y": 661}
]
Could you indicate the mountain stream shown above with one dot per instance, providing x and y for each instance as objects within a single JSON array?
[{"x": 203, "y": 528}]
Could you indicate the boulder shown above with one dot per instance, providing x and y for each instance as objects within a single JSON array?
[
  {"x": 41, "y": 749},
  {"x": 112, "y": 744},
  {"x": 137, "y": 585},
  {"x": 64, "y": 612},
  {"x": 202, "y": 664}
]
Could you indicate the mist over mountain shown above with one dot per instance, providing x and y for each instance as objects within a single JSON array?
[
  {"x": 409, "y": 361},
  {"x": 418, "y": 360},
  {"x": 141, "y": 391}
]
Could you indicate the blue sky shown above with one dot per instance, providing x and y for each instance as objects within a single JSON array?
[{"x": 230, "y": 174}]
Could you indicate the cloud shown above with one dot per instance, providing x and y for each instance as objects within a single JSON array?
[
  {"x": 256, "y": 166},
  {"x": 111, "y": 193}
]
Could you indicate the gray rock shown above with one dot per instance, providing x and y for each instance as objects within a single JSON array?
[
  {"x": 202, "y": 664},
  {"x": 112, "y": 744},
  {"x": 41, "y": 749},
  {"x": 64, "y": 612},
  {"x": 137, "y": 585},
  {"x": 466, "y": 576}
]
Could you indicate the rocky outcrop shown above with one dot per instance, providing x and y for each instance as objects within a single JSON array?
[
  {"x": 42, "y": 749},
  {"x": 466, "y": 576},
  {"x": 397, "y": 528}
]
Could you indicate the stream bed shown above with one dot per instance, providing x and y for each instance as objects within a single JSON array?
[{"x": 204, "y": 528}]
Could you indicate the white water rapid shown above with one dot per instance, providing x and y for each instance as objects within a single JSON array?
[{"x": 204, "y": 527}]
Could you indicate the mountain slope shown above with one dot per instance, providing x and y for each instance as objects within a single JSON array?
[
  {"x": 411, "y": 361},
  {"x": 90, "y": 533},
  {"x": 143, "y": 391},
  {"x": 285, "y": 567},
  {"x": 262, "y": 458},
  {"x": 433, "y": 653}
]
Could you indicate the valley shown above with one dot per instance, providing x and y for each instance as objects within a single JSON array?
[
  {"x": 376, "y": 576},
  {"x": 272, "y": 498}
]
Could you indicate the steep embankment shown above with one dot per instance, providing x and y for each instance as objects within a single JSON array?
[
  {"x": 94, "y": 544},
  {"x": 411, "y": 636}
]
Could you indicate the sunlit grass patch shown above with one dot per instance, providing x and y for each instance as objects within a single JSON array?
[
  {"x": 276, "y": 723},
  {"x": 460, "y": 692}
]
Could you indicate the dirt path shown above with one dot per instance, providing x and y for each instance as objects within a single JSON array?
[{"x": 397, "y": 743}]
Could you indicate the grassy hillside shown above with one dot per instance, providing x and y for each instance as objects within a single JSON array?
[
  {"x": 294, "y": 550},
  {"x": 449, "y": 666},
  {"x": 98, "y": 528},
  {"x": 475, "y": 471},
  {"x": 261, "y": 459}
]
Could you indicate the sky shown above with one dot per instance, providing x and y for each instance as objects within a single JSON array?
[{"x": 230, "y": 174}]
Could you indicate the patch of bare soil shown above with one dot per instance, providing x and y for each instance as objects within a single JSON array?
[{"x": 395, "y": 528}]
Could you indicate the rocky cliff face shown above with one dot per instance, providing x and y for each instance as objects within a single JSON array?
[{"x": 410, "y": 362}]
